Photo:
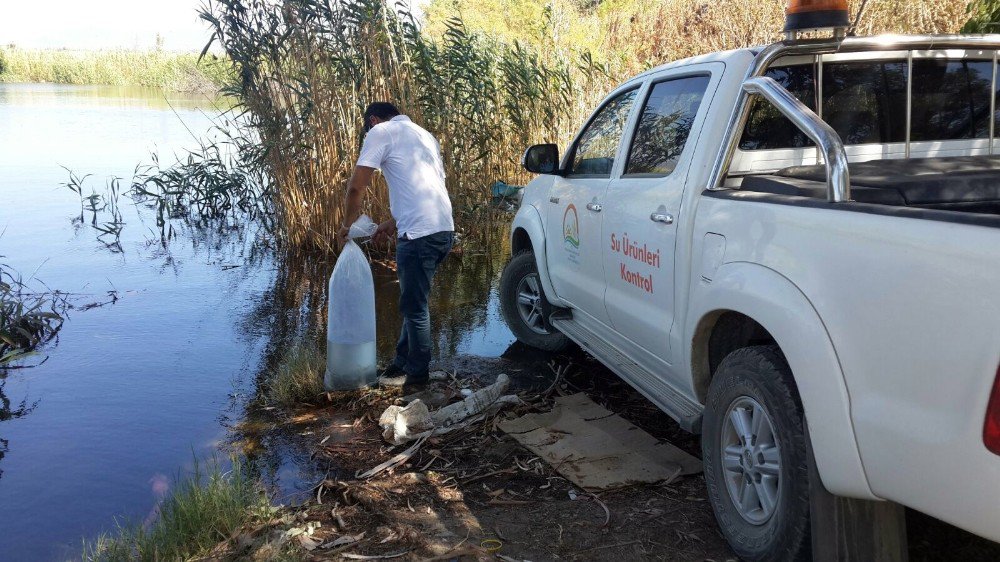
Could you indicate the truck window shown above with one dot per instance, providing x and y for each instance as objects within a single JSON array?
[
  {"x": 865, "y": 102},
  {"x": 664, "y": 125},
  {"x": 766, "y": 127},
  {"x": 951, "y": 99},
  {"x": 594, "y": 153}
]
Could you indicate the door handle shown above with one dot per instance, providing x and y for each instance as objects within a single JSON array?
[
  {"x": 665, "y": 218},
  {"x": 596, "y": 207},
  {"x": 553, "y": 200}
]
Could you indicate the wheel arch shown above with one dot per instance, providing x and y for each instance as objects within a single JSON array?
[
  {"x": 527, "y": 233},
  {"x": 749, "y": 304}
]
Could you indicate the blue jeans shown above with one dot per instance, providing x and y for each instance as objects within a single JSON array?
[{"x": 416, "y": 262}]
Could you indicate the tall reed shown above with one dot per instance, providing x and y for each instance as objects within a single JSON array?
[{"x": 306, "y": 69}]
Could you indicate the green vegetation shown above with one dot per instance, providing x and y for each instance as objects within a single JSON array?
[
  {"x": 28, "y": 318},
  {"x": 984, "y": 17},
  {"x": 298, "y": 377},
  {"x": 508, "y": 75},
  {"x": 205, "y": 510},
  {"x": 179, "y": 72},
  {"x": 632, "y": 35}
]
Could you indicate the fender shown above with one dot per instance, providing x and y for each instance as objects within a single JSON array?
[
  {"x": 786, "y": 313},
  {"x": 529, "y": 220}
]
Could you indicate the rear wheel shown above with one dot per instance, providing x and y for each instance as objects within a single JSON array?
[
  {"x": 754, "y": 451},
  {"x": 524, "y": 307}
]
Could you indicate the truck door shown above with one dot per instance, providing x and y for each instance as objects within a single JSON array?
[
  {"x": 643, "y": 207},
  {"x": 573, "y": 231}
]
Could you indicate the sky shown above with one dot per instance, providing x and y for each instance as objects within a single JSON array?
[
  {"x": 105, "y": 24},
  {"x": 102, "y": 24}
]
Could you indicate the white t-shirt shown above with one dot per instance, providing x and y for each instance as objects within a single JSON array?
[{"x": 410, "y": 160}]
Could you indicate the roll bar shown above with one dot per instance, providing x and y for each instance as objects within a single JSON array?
[
  {"x": 838, "y": 178},
  {"x": 769, "y": 54}
]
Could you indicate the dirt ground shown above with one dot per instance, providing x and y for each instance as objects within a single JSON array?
[{"x": 479, "y": 495}]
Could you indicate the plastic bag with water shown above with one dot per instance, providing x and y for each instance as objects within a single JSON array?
[{"x": 350, "y": 328}]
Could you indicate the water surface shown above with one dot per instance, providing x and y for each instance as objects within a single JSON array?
[{"x": 133, "y": 391}]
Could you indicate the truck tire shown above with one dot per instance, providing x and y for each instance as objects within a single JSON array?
[
  {"x": 523, "y": 305},
  {"x": 754, "y": 453}
]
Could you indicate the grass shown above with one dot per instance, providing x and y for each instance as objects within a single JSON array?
[
  {"x": 179, "y": 72},
  {"x": 298, "y": 377},
  {"x": 207, "y": 508}
]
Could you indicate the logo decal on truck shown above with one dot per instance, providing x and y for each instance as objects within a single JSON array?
[
  {"x": 571, "y": 227},
  {"x": 571, "y": 234}
]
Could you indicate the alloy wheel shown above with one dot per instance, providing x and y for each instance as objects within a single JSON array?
[
  {"x": 529, "y": 304},
  {"x": 751, "y": 460}
]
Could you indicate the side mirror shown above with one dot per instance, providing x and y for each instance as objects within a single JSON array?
[{"x": 541, "y": 159}]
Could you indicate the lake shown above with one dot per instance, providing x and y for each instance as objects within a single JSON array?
[{"x": 167, "y": 341}]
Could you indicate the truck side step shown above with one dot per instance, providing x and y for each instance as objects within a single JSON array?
[{"x": 676, "y": 405}]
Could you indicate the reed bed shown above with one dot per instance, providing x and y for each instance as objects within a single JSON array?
[
  {"x": 306, "y": 69},
  {"x": 178, "y": 72}
]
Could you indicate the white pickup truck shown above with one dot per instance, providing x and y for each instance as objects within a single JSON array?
[{"x": 787, "y": 248}]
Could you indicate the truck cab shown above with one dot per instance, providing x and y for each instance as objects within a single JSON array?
[{"x": 793, "y": 250}]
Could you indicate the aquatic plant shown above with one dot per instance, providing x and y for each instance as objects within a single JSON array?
[
  {"x": 103, "y": 205},
  {"x": 28, "y": 318},
  {"x": 214, "y": 181},
  {"x": 206, "y": 508},
  {"x": 297, "y": 378}
]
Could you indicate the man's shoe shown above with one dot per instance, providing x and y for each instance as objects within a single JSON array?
[
  {"x": 389, "y": 375},
  {"x": 394, "y": 376},
  {"x": 405, "y": 381},
  {"x": 413, "y": 384}
]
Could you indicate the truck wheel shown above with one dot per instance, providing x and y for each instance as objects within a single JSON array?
[
  {"x": 754, "y": 453},
  {"x": 524, "y": 307}
]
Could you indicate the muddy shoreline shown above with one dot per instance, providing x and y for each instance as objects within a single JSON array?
[{"x": 480, "y": 495}]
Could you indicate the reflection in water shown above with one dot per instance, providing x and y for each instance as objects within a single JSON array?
[{"x": 8, "y": 413}]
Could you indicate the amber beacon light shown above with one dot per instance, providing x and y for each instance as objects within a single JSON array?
[{"x": 815, "y": 14}]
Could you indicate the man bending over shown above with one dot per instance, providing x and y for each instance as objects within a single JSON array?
[{"x": 410, "y": 159}]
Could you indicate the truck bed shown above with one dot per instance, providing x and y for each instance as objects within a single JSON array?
[{"x": 967, "y": 183}]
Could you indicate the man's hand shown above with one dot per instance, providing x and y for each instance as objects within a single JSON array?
[
  {"x": 384, "y": 231},
  {"x": 342, "y": 237}
]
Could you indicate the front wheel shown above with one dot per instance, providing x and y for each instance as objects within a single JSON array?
[
  {"x": 523, "y": 304},
  {"x": 754, "y": 454}
]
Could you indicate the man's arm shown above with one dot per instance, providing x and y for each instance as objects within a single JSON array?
[{"x": 360, "y": 180}]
